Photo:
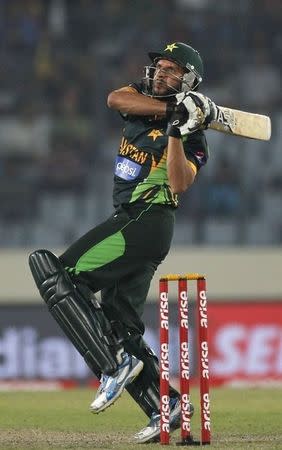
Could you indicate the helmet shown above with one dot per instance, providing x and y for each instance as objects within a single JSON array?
[{"x": 183, "y": 55}]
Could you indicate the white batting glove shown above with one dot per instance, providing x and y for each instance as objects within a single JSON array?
[{"x": 201, "y": 111}]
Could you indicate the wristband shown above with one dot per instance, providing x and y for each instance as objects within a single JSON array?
[
  {"x": 173, "y": 131},
  {"x": 170, "y": 109}
]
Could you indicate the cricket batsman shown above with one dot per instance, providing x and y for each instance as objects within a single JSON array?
[{"x": 162, "y": 149}]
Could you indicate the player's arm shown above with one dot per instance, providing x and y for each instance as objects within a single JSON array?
[
  {"x": 128, "y": 100},
  {"x": 181, "y": 172},
  {"x": 192, "y": 112}
]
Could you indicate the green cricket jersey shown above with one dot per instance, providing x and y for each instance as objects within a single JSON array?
[{"x": 140, "y": 166}]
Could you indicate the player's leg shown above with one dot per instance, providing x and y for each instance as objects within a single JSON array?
[
  {"x": 81, "y": 318},
  {"x": 76, "y": 314},
  {"x": 123, "y": 301},
  {"x": 111, "y": 254},
  {"x": 131, "y": 292},
  {"x": 147, "y": 389},
  {"x": 123, "y": 304},
  {"x": 146, "y": 392}
]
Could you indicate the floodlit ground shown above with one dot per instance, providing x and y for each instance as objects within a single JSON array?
[{"x": 241, "y": 419}]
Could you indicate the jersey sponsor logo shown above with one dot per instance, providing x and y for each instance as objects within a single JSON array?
[{"x": 126, "y": 169}]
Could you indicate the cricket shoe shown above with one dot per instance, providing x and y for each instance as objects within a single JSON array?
[
  {"x": 111, "y": 387},
  {"x": 151, "y": 433}
]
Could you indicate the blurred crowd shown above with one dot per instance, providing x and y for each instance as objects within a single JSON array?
[{"x": 60, "y": 59}]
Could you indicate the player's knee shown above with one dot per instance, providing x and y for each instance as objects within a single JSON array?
[{"x": 51, "y": 279}]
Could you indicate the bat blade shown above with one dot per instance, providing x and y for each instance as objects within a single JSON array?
[{"x": 242, "y": 123}]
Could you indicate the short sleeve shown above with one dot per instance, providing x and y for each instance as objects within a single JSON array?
[{"x": 196, "y": 148}]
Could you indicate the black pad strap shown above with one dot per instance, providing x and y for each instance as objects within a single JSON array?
[
  {"x": 83, "y": 324},
  {"x": 145, "y": 390}
]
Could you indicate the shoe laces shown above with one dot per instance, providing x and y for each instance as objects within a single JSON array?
[
  {"x": 104, "y": 379},
  {"x": 125, "y": 360},
  {"x": 156, "y": 415},
  {"x": 154, "y": 419},
  {"x": 103, "y": 382}
]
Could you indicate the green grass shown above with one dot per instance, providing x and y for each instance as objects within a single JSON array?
[{"x": 241, "y": 419}]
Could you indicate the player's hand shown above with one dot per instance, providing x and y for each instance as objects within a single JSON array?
[
  {"x": 207, "y": 106},
  {"x": 190, "y": 112},
  {"x": 177, "y": 115}
]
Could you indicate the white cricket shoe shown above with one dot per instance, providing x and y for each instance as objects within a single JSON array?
[
  {"x": 151, "y": 433},
  {"x": 112, "y": 387}
]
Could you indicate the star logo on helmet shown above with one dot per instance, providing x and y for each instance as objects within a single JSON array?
[
  {"x": 170, "y": 47},
  {"x": 154, "y": 134}
]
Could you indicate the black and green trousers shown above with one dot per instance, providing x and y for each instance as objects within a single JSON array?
[{"x": 119, "y": 258}]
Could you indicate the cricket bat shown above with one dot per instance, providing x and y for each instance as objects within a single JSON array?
[{"x": 242, "y": 123}]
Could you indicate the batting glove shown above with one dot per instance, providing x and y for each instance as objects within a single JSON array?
[{"x": 191, "y": 112}]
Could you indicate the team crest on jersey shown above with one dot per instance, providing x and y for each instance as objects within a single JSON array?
[
  {"x": 126, "y": 169},
  {"x": 154, "y": 134}
]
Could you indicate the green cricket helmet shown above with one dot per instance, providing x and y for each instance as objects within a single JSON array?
[{"x": 186, "y": 57}]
